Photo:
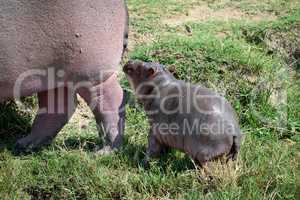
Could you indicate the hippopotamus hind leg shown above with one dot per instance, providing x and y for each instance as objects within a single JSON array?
[
  {"x": 108, "y": 105},
  {"x": 55, "y": 109},
  {"x": 235, "y": 148}
]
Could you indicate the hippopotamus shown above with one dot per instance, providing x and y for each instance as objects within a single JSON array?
[
  {"x": 185, "y": 116},
  {"x": 58, "y": 49}
]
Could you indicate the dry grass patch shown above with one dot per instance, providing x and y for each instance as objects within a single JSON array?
[
  {"x": 205, "y": 13},
  {"x": 138, "y": 39},
  {"x": 218, "y": 175},
  {"x": 83, "y": 114}
]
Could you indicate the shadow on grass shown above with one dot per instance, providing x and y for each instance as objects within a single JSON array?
[
  {"x": 132, "y": 156},
  {"x": 86, "y": 143},
  {"x": 14, "y": 124}
]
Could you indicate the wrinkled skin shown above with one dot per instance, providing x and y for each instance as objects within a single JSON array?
[
  {"x": 161, "y": 95},
  {"x": 58, "y": 49}
]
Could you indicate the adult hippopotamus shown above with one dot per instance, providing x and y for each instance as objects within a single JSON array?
[{"x": 58, "y": 49}]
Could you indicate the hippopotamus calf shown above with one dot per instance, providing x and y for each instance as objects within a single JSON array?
[
  {"x": 184, "y": 116},
  {"x": 58, "y": 49}
]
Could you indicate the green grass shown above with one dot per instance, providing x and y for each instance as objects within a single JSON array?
[{"x": 241, "y": 64}]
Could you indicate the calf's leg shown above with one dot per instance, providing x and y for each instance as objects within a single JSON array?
[{"x": 155, "y": 149}]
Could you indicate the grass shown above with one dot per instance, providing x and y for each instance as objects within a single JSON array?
[{"x": 233, "y": 57}]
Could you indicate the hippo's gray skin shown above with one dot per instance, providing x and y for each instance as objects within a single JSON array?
[
  {"x": 57, "y": 49},
  {"x": 184, "y": 116}
]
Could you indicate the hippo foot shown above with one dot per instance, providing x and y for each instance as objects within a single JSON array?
[
  {"x": 145, "y": 163},
  {"x": 21, "y": 149},
  {"x": 232, "y": 157},
  {"x": 24, "y": 147},
  {"x": 106, "y": 150}
]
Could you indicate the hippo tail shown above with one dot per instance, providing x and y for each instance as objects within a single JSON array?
[
  {"x": 235, "y": 147},
  {"x": 126, "y": 30}
]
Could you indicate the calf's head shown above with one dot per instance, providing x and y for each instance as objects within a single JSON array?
[
  {"x": 141, "y": 76},
  {"x": 141, "y": 73}
]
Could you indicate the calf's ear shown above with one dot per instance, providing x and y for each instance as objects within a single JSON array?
[
  {"x": 151, "y": 71},
  {"x": 173, "y": 71}
]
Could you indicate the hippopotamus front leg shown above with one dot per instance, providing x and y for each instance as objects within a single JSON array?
[
  {"x": 56, "y": 106},
  {"x": 108, "y": 105},
  {"x": 155, "y": 149}
]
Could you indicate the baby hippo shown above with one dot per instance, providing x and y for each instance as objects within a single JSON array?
[{"x": 183, "y": 116}]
